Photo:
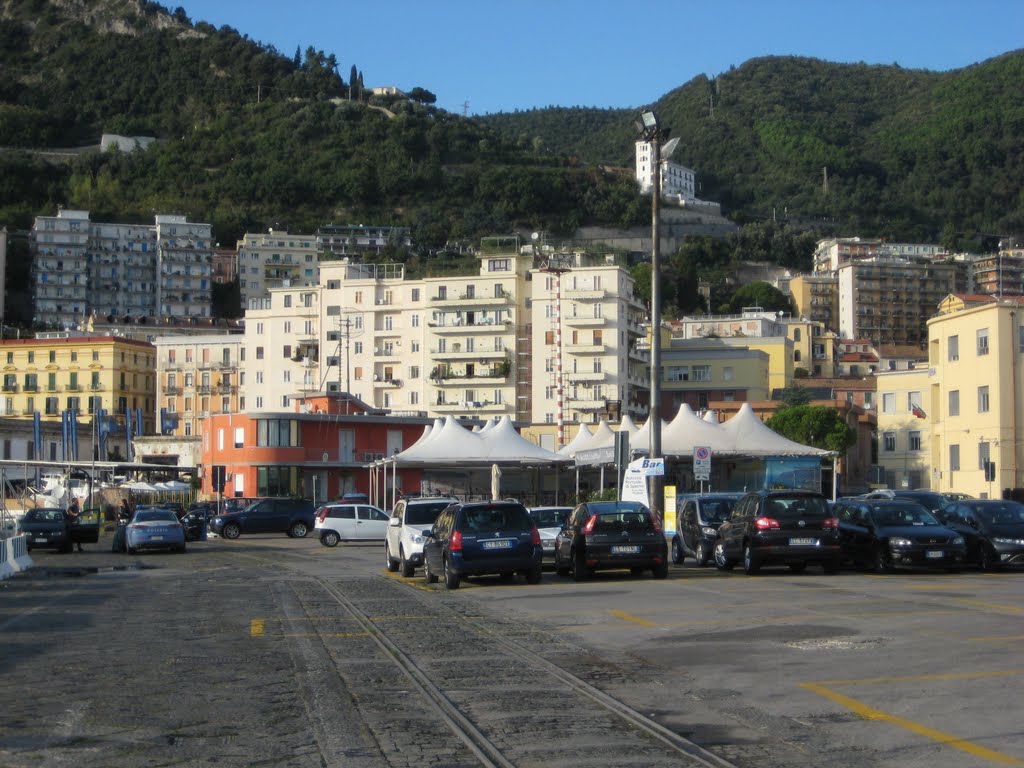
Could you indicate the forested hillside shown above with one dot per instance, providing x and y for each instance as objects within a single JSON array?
[
  {"x": 251, "y": 137},
  {"x": 907, "y": 154}
]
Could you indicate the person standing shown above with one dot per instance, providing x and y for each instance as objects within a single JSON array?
[
  {"x": 74, "y": 514},
  {"x": 125, "y": 514}
]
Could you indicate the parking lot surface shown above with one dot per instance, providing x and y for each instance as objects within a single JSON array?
[{"x": 274, "y": 651}]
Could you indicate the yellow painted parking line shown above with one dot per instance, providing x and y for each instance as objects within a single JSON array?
[
  {"x": 871, "y": 713},
  {"x": 256, "y": 628},
  {"x": 634, "y": 619},
  {"x": 327, "y": 634},
  {"x": 995, "y": 639},
  {"x": 994, "y": 606},
  {"x": 916, "y": 678}
]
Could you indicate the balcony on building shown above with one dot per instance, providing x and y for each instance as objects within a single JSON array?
[
  {"x": 583, "y": 322},
  {"x": 477, "y": 299},
  {"x": 585, "y": 349},
  {"x": 580, "y": 377},
  {"x": 460, "y": 352}
]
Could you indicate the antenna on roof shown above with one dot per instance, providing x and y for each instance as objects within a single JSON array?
[{"x": 465, "y": 109}]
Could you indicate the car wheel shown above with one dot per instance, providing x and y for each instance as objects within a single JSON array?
[
  {"x": 533, "y": 575},
  {"x": 561, "y": 570},
  {"x": 451, "y": 578},
  {"x": 579, "y": 566},
  {"x": 428, "y": 576},
  {"x": 298, "y": 530},
  {"x": 407, "y": 568},
  {"x": 750, "y": 564},
  {"x": 389, "y": 562},
  {"x": 701, "y": 555},
  {"x": 798, "y": 567},
  {"x": 677, "y": 551},
  {"x": 882, "y": 564},
  {"x": 231, "y": 531},
  {"x": 330, "y": 538},
  {"x": 722, "y": 561},
  {"x": 130, "y": 550},
  {"x": 660, "y": 571},
  {"x": 181, "y": 549},
  {"x": 986, "y": 559}
]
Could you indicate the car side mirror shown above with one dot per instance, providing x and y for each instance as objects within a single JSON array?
[
  {"x": 395, "y": 522},
  {"x": 428, "y": 533}
]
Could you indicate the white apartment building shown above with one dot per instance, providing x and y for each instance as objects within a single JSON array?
[
  {"x": 676, "y": 180},
  {"x": 274, "y": 259},
  {"x": 83, "y": 267},
  {"x": 359, "y": 239},
  {"x": 481, "y": 345}
]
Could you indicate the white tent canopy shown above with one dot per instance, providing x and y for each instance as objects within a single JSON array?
[
  {"x": 453, "y": 444},
  {"x": 583, "y": 436},
  {"x": 745, "y": 434}
]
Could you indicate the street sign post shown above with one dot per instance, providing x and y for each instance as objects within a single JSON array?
[{"x": 702, "y": 464}]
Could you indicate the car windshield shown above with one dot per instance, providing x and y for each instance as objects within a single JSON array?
[
  {"x": 716, "y": 510},
  {"x": 425, "y": 513},
  {"x": 901, "y": 514},
  {"x": 552, "y": 517},
  {"x": 788, "y": 508},
  {"x": 1006, "y": 513},
  {"x": 155, "y": 515},
  {"x": 495, "y": 517},
  {"x": 44, "y": 515}
]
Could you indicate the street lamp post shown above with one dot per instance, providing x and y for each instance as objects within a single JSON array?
[{"x": 654, "y": 135}]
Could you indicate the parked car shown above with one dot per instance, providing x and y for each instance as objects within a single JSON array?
[
  {"x": 355, "y": 497},
  {"x": 339, "y": 521},
  {"x": 993, "y": 531},
  {"x": 482, "y": 537},
  {"x": 930, "y": 500},
  {"x": 271, "y": 515},
  {"x": 779, "y": 527},
  {"x": 154, "y": 528},
  {"x": 606, "y": 535},
  {"x": 549, "y": 522},
  {"x": 896, "y": 533},
  {"x": 50, "y": 528},
  {"x": 197, "y": 518},
  {"x": 403, "y": 544},
  {"x": 697, "y": 522}
]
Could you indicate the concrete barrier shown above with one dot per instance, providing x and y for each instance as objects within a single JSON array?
[
  {"x": 6, "y": 569},
  {"x": 17, "y": 550}
]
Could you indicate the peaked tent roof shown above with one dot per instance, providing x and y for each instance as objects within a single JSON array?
[
  {"x": 627, "y": 424},
  {"x": 641, "y": 439},
  {"x": 582, "y": 437},
  {"x": 745, "y": 434},
  {"x": 452, "y": 444},
  {"x": 688, "y": 431}
]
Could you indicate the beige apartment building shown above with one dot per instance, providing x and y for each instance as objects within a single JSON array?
[
  {"x": 273, "y": 259},
  {"x": 974, "y": 403},
  {"x": 477, "y": 345},
  {"x": 197, "y": 376}
]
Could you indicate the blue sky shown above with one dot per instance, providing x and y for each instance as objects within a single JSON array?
[{"x": 502, "y": 56}]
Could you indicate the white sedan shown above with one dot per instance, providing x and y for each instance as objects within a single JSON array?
[{"x": 339, "y": 521}]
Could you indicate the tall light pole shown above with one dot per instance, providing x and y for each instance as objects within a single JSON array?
[{"x": 654, "y": 135}]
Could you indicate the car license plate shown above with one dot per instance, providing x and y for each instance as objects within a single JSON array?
[
  {"x": 934, "y": 554},
  {"x": 802, "y": 542},
  {"x": 626, "y": 549},
  {"x": 156, "y": 538},
  {"x": 42, "y": 540},
  {"x": 497, "y": 544}
]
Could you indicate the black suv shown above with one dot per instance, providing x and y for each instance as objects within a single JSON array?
[
  {"x": 791, "y": 527},
  {"x": 476, "y": 538},
  {"x": 271, "y": 515},
  {"x": 608, "y": 535}
]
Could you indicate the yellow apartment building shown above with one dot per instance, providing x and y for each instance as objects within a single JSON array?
[
  {"x": 974, "y": 402},
  {"x": 904, "y": 429},
  {"x": 59, "y": 372}
]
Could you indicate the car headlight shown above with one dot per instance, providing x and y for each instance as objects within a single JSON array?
[
  {"x": 958, "y": 541},
  {"x": 417, "y": 539},
  {"x": 899, "y": 541},
  {"x": 708, "y": 531},
  {"x": 1019, "y": 542}
]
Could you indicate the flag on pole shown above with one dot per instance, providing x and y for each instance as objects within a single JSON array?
[{"x": 918, "y": 411}]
